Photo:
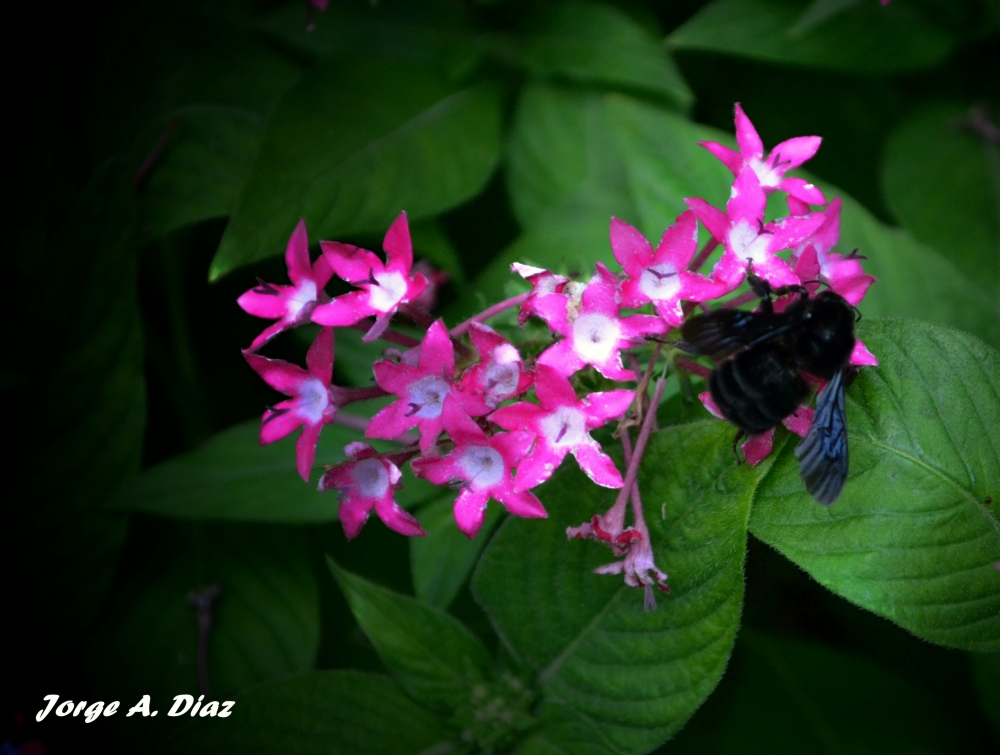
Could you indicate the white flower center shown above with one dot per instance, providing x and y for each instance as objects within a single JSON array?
[
  {"x": 767, "y": 175},
  {"x": 387, "y": 294},
  {"x": 502, "y": 374},
  {"x": 748, "y": 243},
  {"x": 595, "y": 337},
  {"x": 482, "y": 465},
  {"x": 304, "y": 294},
  {"x": 313, "y": 400},
  {"x": 566, "y": 426},
  {"x": 371, "y": 478},
  {"x": 427, "y": 397},
  {"x": 660, "y": 282}
]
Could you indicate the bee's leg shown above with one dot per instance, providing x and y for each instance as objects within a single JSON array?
[{"x": 736, "y": 449}]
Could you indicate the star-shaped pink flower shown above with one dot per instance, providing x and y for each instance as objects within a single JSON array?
[
  {"x": 771, "y": 171},
  {"x": 593, "y": 331},
  {"x": 561, "y": 425},
  {"x": 422, "y": 391},
  {"x": 500, "y": 374},
  {"x": 385, "y": 287},
  {"x": 289, "y": 305},
  {"x": 368, "y": 482},
  {"x": 661, "y": 277},
  {"x": 544, "y": 282},
  {"x": 747, "y": 240},
  {"x": 311, "y": 405},
  {"x": 483, "y": 465}
]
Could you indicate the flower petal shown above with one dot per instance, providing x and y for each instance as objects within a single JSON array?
[
  {"x": 470, "y": 511},
  {"x": 630, "y": 247},
  {"x": 353, "y": 513},
  {"x": 397, "y": 245},
  {"x": 729, "y": 157},
  {"x": 270, "y": 306},
  {"x": 437, "y": 354},
  {"x": 861, "y": 356},
  {"x": 597, "y": 465},
  {"x": 751, "y": 147},
  {"x": 714, "y": 219},
  {"x": 679, "y": 242},
  {"x": 802, "y": 190},
  {"x": 523, "y": 503},
  {"x": 552, "y": 388},
  {"x": 277, "y": 373},
  {"x": 319, "y": 358},
  {"x": 345, "y": 310},
  {"x": 538, "y": 466},
  {"x": 746, "y": 199},
  {"x": 396, "y": 518},
  {"x": 791, "y": 153},
  {"x": 600, "y": 407},
  {"x": 305, "y": 449},
  {"x": 297, "y": 254},
  {"x": 278, "y": 422},
  {"x": 757, "y": 447}
]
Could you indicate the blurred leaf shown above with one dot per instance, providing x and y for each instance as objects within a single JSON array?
[
  {"x": 865, "y": 38},
  {"x": 565, "y": 731},
  {"x": 915, "y": 536},
  {"x": 434, "y": 657},
  {"x": 636, "y": 677},
  {"x": 785, "y": 696},
  {"x": 424, "y": 31},
  {"x": 431, "y": 243},
  {"x": 319, "y": 713},
  {"x": 442, "y": 561},
  {"x": 85, "y": 443},
  {"x": 209, "y": 151},
  {"x": 233, "y": 477},
  {"x": 265, "y": 623},
  {"x": 562, "y": 156},
  {"x": 942, "y": 182},
  {"x": 594, "y": 43},
  {"x": 352, "y": 144}
]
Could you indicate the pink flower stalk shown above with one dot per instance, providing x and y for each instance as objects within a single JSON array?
[
  {"x": 661, "y": 277},
  {"x": 771, "y": 171},
  {"x": 422, "y": 390},
  {"x": 500, "y": 374},
  {"x": 843, "y": 274},
  {"x": 561, "y": 426},
  {"x": 368, "y": 482},
  {"x": 289, "y": 305},
  {"x": 747, "y": 240},
  {"x": 483, "y": 465},
  {"x": 544, "y": 282},
  {"x": 593, "y": 331},
  {"x": 311, "y": 405},
  {"x": 385, "y": 287}
]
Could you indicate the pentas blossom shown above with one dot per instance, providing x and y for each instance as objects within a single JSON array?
[
  {"x": 500, "y": 373},
  {"x": 422, "y": 390},
  {"x": 593, "y": 331},
  {"x": 771, "y": 170},
  {"x": 561, "y": 426},
  {"x": 385, "y": 287},
  {"x": 483, "y": 466},
  {"x": 311, "y": 404},
  {"x": 368, "y": 481},
  {"x": 289, "y": 305},
  {"x": 661, "y": 276},
  {"x": 747, "y": 240},
  {"x": 544, "y": 282}
]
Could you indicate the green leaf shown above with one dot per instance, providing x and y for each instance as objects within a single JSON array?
[
  {"x": 865, "y": 38},
  {"x": 78, "y": 450},
  {"x": 434, "y": 657},
  {"x": 787, "y": 697},
  {"x": 355, "y": 142},
  {"x": 319, "y": 713},
  {"x": 233, "y": 477},
  {"x": 941, "y": 181},
  {"x": 635, "y": 676},
  {"x": 594, "y": 43},
  {"x": 915, "y": 536},
  {"x": 265, "y": 623},
  {"x": 442, "y": 561},
  {"x": 199, "y": 175}
]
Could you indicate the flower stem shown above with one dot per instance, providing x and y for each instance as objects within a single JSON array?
[
  {"x": 738, "y": 300},
  {"x": 689, "y": 365},
  {"x": 514, "y": 301},
  {"x": 391, "y": 336},
  {"x": 703, "y": 255},
  {"x": 640, "y": 444}
]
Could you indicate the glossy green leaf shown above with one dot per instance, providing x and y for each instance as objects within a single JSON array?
[
  {"x": 319, "y": 713},
  {"x": 233, "y": 477},
  {"x": 941, "y": 181},
  {"x": 208, "y": 153},
  {"x": 353, "y": 143},
  {"x": 915, "y": 536},
  {"x": 443, "y": 561},
  {"x": 786, "y": 697},
  {"x": 435, "y": 659},
  {"x": 265, "y": 621},
  {"x": 79, "y": 449},
  {"x": 636, "y": 677},
  {"x": 594, "y": 43},
  {"x": 865, "y": 38}
]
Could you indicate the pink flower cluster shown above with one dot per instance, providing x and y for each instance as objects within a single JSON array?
[{"x": 479, "y": 416}]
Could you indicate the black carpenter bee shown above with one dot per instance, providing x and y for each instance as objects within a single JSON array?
[{"x": 758, "y": 381}]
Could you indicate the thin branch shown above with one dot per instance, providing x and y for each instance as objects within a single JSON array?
[
  {"x": 703, "y": 255},
  {"x": 514, "y": 301}
]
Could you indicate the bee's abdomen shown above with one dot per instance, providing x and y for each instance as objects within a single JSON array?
[{"x": 757, "y": 389}]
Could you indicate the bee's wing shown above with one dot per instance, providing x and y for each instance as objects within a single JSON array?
[
  {"x": 722, "y": 333},
  {"x": 822, "y": 453}
]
